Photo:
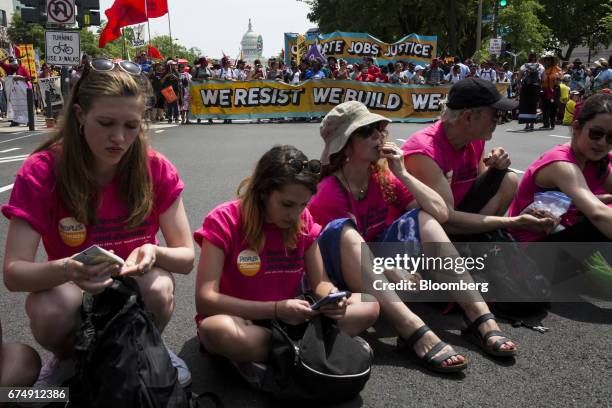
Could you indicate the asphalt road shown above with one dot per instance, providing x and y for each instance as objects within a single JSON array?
[{"x": 566, "y": 367}]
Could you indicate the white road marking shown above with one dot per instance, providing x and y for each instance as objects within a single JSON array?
[
  {"x": 401, "y": 140},
  {"x": 159, "y": 131},
  {"x": 561, "y": 137},
  {"x": 6, "y": 188},
  {"x": 10, "y": 150},
  {"x": 21, "y": 137},
  {"x": 13, "y": 158}
]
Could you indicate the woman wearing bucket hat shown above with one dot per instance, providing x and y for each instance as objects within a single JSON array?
[{"x": 363, "y": 192}]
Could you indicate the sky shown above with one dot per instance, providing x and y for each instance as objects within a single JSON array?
[{"x": 218, "y": 26}]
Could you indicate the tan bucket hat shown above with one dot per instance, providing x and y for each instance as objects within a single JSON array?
[{"x": 340, "y": 123}]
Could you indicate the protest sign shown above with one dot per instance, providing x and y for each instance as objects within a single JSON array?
[
  {"x": 273, "y": 99},
  {"x": 352, "y": 47}
]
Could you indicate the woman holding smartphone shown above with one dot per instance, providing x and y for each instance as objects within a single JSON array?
[
  {"x": 95, "y": 181},
  {"x": 256, "y": 250},
  {"x": 366, "y": 195}
]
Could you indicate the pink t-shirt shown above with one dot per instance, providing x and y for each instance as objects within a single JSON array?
[
  {"x": 274, "y": 273},
  {"x": 528, "y": 188},
  {"x": 460, "y": 166},
  {"x": 35, "y": 199},
  {"x": 373, "y": 215}
]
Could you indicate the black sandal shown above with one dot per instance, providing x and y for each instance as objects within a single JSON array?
[
  {"x": 472, "y": 333},
  {"x": 428, "y": 360}
]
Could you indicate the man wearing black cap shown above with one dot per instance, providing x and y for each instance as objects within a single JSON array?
[{"x": 448, "y": 156}]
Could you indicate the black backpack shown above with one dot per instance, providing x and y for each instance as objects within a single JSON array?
[
  {"x": 316, "y": 361},
  {"x": 513, "y": 276},
  {"x": 532, "y": 74},
  {"x": 121, "y": 359}
]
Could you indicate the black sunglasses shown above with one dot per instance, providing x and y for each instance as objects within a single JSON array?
[
  {"x": 313, "y": 166},
  {"x": 367, "y": 130},
  {"x": 597, "y": 134}
]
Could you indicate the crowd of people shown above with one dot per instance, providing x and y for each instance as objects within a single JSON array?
[
  {"x": 550, "y": 95},
  {"x": 299, "y": 218}
]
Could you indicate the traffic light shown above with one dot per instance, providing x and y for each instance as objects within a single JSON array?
[
  {"x": 89, "y": 13},
  {"x": 503, "y": 3},
  {"x": 34, "y": 11}
]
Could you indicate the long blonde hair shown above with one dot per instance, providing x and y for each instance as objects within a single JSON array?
[
  {"x": 76, "y": 182},
  {"x": 271, "y": 173}
]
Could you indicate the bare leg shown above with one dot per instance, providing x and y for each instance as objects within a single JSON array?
[
  {"x": 157, "y": 290},
  {"x": 54, "y": 317},
  {"x": 432, "y": 231},
  {"x": 499, "y": 203},
  {"x": 360, "y": 314},
  {"x": 235, "y": 338},
  {"x": 19, "y": 365},
  {"x": 393, "y": 309}
]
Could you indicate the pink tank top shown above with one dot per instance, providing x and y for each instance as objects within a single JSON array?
[{"x": 528, "y": 188}]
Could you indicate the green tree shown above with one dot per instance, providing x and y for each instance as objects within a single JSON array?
[
  {"x": 577, "y": 22},
  {"x": 527, "y": 33},
  {"x": 26, "y": 33}
]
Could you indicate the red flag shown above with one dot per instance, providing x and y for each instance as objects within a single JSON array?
[
  {"x": 127, "y": 12},
  {"x": 16, "y": 51},
  {"x": 154, "y": 53}
]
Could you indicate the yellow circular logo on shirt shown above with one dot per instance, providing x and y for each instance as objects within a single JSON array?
[
  {"x": 248, "y": 262},
  {"x": 72, "y": 232}
]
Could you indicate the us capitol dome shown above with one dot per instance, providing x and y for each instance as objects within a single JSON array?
[{"x": 251, "y": 45}]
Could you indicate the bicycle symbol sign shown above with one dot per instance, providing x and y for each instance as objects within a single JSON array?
[
  {"x": 63, "y": 47},
  {"x": 60, "y": 11}
]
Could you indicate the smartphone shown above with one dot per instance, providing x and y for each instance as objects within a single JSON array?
[
  {"x": 331, "y": 298},
  {"x": 96, "y": 255}
]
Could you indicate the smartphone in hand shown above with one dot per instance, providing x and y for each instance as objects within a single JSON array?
[
  {"x": 96, "y": 255},
  {"x": 331, "y": 298}
]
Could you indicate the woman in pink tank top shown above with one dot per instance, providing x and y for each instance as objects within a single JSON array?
[{"x": 581, "y": 170}]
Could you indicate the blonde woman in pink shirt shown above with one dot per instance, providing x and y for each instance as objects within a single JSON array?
[
  {"x": 255, "y": 252},
  {"x": 366, "y": 195},
  {"x": 95, "y": 181}
]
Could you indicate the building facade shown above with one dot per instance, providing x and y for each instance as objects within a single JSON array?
[{"x": 251, "y": 45}]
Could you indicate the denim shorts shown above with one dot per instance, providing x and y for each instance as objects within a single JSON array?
[{"x": 403, "y": 229}]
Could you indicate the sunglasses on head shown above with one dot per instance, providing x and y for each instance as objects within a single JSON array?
[
  {"x": 313, "y": 166},
  {"x": 597, "y": 134},
  {"x": 105, "y": 65}
]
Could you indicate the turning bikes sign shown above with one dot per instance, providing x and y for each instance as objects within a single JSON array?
[{"x": 63, "y": 47}]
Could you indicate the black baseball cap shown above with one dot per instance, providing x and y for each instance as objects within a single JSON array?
[{"x": 475, "y": 93}]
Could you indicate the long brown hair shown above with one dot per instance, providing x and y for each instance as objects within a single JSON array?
[
  {"x": 271, "y": 173},
  {"x": 380, "y": 168},
  {"x": 76, "y": 182}
]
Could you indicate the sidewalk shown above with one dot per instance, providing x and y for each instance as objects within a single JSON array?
[{"x": 39, "y": 124}]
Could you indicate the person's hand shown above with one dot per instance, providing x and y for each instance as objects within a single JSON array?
[
  {"x": 335, "y": 310},
  {"x": 497, "y": 159},
  {"x": 536, "y": 224},
  {"x": 91, "y": 278},
  {"x": 294, "y": 311},
  {"x": 605, "y": 198},
  {"x": 394, "y": 156},
  {"x": 140, "y": 261}
]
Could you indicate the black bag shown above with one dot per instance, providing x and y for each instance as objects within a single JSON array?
[
  {"x": 511, "y": 273},
  {"x": 316, "y": 361},
  {"x": 121, "y": 359}
]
